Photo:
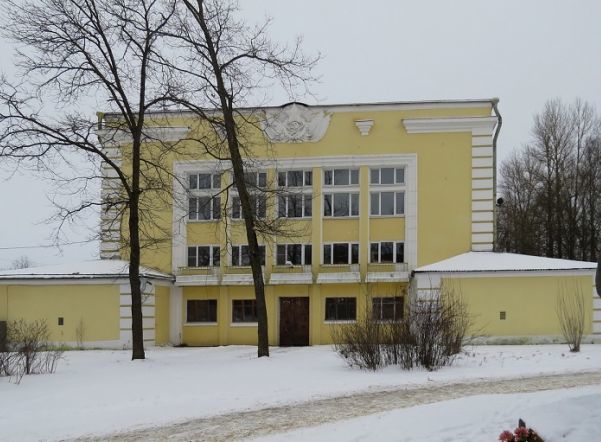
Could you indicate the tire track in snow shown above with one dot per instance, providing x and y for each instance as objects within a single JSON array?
[{"x": 254, "y": 423}]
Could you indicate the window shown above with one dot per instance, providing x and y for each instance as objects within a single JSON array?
[
  {"x": 204, "y": 256},
  {"x": 341, "y": 177},
  {"x": 387, "y": 252},
  {"x": 341, "y": 253},
  {"x": 295, "y": 178},
  {"x": 387, "y": 309},
  {"x": 244, "y": 310},
  {"x": 387, "y": 203},
  {"x": 198, "y": 310},
  {"x": 259, "y": 203},
  {"x": 240, "y": 256},
  {"x": 296, "y": 254},
  {"x": 387, "y": 175},
  {"x": 256, "y": 179},
  {"x": 502, "y": 315},
  {"x": 341, "y": 309},
  {"x": 204, "y": 181},
  {"x": 295, "y": 205},
  {"x": 204, "y": 208},
  {"x": 341, "y": 204}
]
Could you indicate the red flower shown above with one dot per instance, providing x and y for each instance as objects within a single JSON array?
[
  {"x": 506, "y": 436},
  {"x": 521, "y": 433}
]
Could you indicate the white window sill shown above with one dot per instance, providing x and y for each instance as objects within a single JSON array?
[
  {"x": 388, "y": 216},
  {"x": 244, "y": 324},
  {"x": 200, "y": 324},
  {"x": 341, "y": 217},
  {"x": 340, "y": 322},
  {"x": 201, "y": 221}
]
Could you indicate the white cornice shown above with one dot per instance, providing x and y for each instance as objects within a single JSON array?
[
  {"x": 475, "y": 125},
  {"x": 112, "y": 137}
]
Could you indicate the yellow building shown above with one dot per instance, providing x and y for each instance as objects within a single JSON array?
[{"x": 371, "y": 195}]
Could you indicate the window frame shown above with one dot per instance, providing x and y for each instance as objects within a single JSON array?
[
  {"x": 380, "y": 308},
  {"x": 306, "y": 252},
  {"x": 215, "y": 179},
  {"x": 337, "y": 306},
  {"x": 395, "y": 252},
  {"x": 395, "y": 182},
  {"x": 211, "y": 319},
  {"x": 351, "y": 205},
  {"x": 307, "y": 183},
  {"x": 244, "y": 304},
  {"x": 394, "y": 199},
  {"x": 240, "y": 248},
  {"x": 306, "y": 201},
  {"x": 261, "y": 212},
  {"x": 350, "y": 254},
  {"x": 213, "y": 249},
  {"x": 352, "y": 173},
  {"x": 212, "y": 209}
]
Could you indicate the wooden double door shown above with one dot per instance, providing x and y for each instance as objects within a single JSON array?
[{"x": 294, "y": 321}]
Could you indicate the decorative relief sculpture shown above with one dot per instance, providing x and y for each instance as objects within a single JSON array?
[{"x": 295, "y": 123}]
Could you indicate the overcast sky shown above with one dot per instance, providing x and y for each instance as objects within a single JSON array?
[{"x": 524, "y": 52}]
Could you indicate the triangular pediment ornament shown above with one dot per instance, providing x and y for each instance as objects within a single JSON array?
[{"x": 295, "y": 123}]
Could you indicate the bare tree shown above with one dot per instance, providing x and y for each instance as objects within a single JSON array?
[
  {"x": 569, "y": 307},
  {"x": 73, "y": 50},
  {"x": 222, "y": 65}
]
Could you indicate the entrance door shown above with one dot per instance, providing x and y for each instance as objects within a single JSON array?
[{"x": 294, "y": 322}]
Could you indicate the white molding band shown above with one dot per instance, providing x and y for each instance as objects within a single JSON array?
[{"x": 475, "y": 125}]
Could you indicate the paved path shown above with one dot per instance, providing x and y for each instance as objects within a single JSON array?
[{"x": 240, "y": 425}]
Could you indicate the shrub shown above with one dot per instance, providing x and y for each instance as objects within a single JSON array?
[
  {"x": 359, "y": 343},
  {"x": 569, "y": 306}
]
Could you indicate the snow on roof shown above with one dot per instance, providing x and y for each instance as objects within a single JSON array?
[
  {"x": 101, "y": 268},
  {"x": 503, "y": 262}
]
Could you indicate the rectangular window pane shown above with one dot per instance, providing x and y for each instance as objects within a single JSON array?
[
  {"x": 308, "y": 254},
  {"x": 308, "y": 178},
  {"x": 354, "y": 204},
  {"x": 192, "y": 208},
  {"x": 295, "y": 206},
  {"x": 244, "y": 310},
  {"x": 191, "y": 256},
  {"x": 387, "y": 203},
  {"x": 375, "y": 176},
  {"x": 216, "y": 208},
  {"x": 282, "y": 179},
  {"x": 374, "y": 252},
  {"x": 308, "y": 202},
  {"x": 400, "y": 252},
  {"x": 235, "y": 255},
  {"x": 341, "y": 254},
  {"x": 376, "y": 308},
  {"x": 204, "y": 256},
  {"x": 281, "y": 206},
  {"x": 262, "y": 179},
  {"x": 327, "y": 205},
  {"x": 386, "y": 252},
  {"x": 217, "y": 181},
  {"x": 387, "y": 175},
  {"x": 327, "y": 178},
  {"x": 204, "y": 207},
  {"x": 341, "y": 177},
  {"x": 295, "y": 178},
  {"x": 375, "y": 203},
  {"x": 216, "y": 256},
  {"x": 354, "y": 176},
  {"x": 280, "y": 255},
  {"x": 400, "y": 203},
  {"x": 354, "y": 253},
  {"x": 244, "y": 256},
  {"x": 400, "y": 176},
  {"x": 295, "y": 254},
  {"x": 204, "y": 180},
  {"x": 341, "y": 309},
  {"x": 341, "y": 204},
  {"x": 236, "y": 210},
  {"x": 327, "y": 254},
  {"x": 193, "y": 181},
  {"x": 261, "y": 206},
  {"x": 251, "y": 179},
  {"x": 201, "y": 310}
]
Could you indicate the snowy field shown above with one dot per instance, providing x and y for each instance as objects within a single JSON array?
[{"x": 98, "y": 392}]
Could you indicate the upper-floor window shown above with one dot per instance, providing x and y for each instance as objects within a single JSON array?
[
  {"x": 204, "y": 256},
  {"x": 387, "y": 252},
  {"x": 341, "y": 253},
  {"x": 204, "y": 181},
  {"x": 387, "y": 203},
  {"x": 296, "y": 254},
  {"x": 258, "y": 204},
  {"x": 240, "y": 256},
  {"x": 295, "y": 178},
  {"x": 341, "y": 204},
  {"x": 295, "y": 205},
  {"x": 256, "y": 179},
  {"x": 341, "y": 177},
  {"x": 387, "y": 175},
  {"x": 203, "y": 208}
]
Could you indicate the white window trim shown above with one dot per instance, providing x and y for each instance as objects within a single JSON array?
[
  {"x": 340, "y": 186},
  {"x": 304, "y": 187},
  {"x": 240, "y": 218},
  {"x": 350, "y": 257},
  {"x": 211, "y": 247},
  {"x": 381, "y": 190},
  {"x": 210, "y": 189},
  {"x": 339, "y": 191},
  {"x": 231, "y": 255},
  {"x": 395, "y": 184},
  {"x": 303, "y": 253},
  {"x": 303, "y": 194},
  {"x": 394, "y": 257},
  {"x": 214, "y": 196}
]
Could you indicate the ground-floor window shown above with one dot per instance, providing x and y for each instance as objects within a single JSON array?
[
  {"x": 201, "y": 310},
  {"x": 244, "y": 310},
  {"x": 387, "y": 309},
  {"x": 341, "y": 309}
]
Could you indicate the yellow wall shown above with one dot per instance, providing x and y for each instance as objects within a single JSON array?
[
  {"x": 161, "y": 314},
  {"x": 529, "y": 303},
  {"x": 97, "y": 306}
]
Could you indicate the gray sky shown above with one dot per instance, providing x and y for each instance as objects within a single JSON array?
[{"x": 524, "y": 52}]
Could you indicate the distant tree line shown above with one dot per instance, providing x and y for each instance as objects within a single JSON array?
[{"x": 551, "y": 189}]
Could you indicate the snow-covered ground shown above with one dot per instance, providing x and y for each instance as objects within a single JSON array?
[
  {"x": 96, "y": 392},
  {"x": 557, "y": 415}
]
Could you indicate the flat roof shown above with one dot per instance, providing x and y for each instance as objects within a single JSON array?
[{"x": 503, "y": 262}]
